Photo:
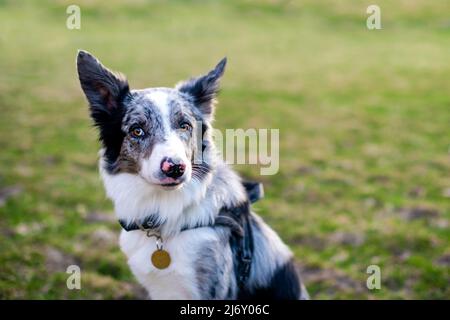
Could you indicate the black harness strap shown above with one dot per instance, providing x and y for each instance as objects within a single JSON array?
[
  {"x": 241, "y": 240},
  {"x": 254, "y": 190},
  {"x": 229, "y": 222},
  {"x": 247, "y": 252}
]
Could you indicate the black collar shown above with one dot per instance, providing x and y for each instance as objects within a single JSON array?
[
  {"x": 254, "y": 193},
  {"x": 149, "y": 222}
]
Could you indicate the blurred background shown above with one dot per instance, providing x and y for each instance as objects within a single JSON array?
[{"x": 364, "y": 127}]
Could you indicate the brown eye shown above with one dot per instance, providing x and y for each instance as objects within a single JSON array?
[
  {"x": 137, "y": 132},
  {"x": 185, "y": 126}
]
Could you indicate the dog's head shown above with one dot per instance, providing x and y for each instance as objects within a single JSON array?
[{"x": 154, "y": 133}]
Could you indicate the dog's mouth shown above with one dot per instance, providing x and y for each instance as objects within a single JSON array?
[
  {"x": 166, "y": 183},
  {"x": 171, "y": 186},
  {"x": 170, "y": 183}
]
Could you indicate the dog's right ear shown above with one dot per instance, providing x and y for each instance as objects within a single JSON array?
[
  {"x": 204, "y": 89},
  {"x": 103, "y": 88}
]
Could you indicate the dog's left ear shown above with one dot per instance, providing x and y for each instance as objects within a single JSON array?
[{"x": 204, "y": 88}]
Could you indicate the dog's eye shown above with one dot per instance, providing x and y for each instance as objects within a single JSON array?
[
  {"x": 137, "y": 132},
  {"x": 185, "y": 126}
]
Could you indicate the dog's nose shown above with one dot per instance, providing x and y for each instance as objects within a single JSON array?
[{"x": 172, "y": 168}]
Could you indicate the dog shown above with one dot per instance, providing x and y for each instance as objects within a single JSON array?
[{"x": 188, "y": 229}]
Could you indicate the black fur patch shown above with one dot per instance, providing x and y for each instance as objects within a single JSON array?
[
  {"x": 106, "y": 92},
  {"x": 285, "y": 285},
  {"x": 111, "y": 136}
]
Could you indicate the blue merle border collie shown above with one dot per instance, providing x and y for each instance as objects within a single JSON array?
[{"x": 197, "y": 212}]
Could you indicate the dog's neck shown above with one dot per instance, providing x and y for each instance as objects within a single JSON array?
[{"x": 196, "y": 203}]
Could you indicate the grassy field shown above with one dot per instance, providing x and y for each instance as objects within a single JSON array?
[{"x": 364, "y": 125}]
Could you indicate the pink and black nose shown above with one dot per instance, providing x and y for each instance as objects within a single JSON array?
[{"x": 172, "y": 168}]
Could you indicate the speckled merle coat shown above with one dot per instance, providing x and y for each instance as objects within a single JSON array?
[{"x": 138, "y": 130}]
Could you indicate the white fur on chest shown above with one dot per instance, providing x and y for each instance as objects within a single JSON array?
[{"x": 179, "y": 280}]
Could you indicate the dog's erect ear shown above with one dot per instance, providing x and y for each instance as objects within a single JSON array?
[
  {"x": 103, "y": 88},
  {"x": 204, "y": 88}
]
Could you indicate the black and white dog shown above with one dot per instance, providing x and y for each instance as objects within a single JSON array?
[{"x": 188, "y": 229}]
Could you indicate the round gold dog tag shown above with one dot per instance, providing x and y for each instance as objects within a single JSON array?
[{"x": 161, "y": 259}]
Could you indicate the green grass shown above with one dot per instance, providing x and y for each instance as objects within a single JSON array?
[{"x": 364, "y": 124}]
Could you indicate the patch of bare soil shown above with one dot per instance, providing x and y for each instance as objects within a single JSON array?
[
  {"x": 415, "y": 213},
  {"x": 8, "y": 192},
  {"x": 333, "y": 281}
]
